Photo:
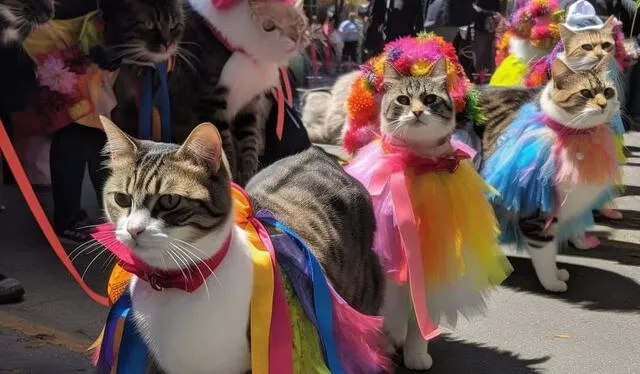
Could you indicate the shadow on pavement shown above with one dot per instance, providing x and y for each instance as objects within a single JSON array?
[
  {"x": 590, "y": 288},
  {"x": 631, "y": 190},
  {"x": 458, "y": 356}
]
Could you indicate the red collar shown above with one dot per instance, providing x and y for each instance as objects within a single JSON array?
[
  {"x": 189, "y": 279},
  {"x": 402, "y": 159},
  {"x": 563, "y": 131}
]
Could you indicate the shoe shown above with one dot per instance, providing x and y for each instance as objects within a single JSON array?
[{"x": 11, "y": 291}]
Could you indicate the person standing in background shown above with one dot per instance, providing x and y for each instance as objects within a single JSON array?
[
  {"x": 72, "y": 90},
  {"x": 485, "y": 24},
  {"x": 350, "y": 32},
  {"x": 390, "y": 20}
]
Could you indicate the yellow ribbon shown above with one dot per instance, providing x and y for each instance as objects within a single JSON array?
[{"x": 263, "y": 287}]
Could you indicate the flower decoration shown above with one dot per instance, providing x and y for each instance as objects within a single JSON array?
[
  {"x": 410, "y": 56},
  {"x": 53, "y": 73},
  {"x": 537, "y": 22}
]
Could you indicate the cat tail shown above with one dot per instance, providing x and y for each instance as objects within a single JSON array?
[{"x": 359, "y": 339}]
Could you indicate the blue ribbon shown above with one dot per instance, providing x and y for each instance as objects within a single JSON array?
[
  {"x": 160, "y": 100},
  {"x": 132, "y": 352},
  {"x": 321, "y": 296}
]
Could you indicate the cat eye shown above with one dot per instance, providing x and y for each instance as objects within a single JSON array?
[
  {"x": 169, "y": 202},
  {"x": 607, "y": 45},
  {"x": 587, "y": 47},
  {"x": 609, "y": 92},
  {"x": 403, "y": 100},
  {"x": 586, "y": 94},
  {"x": 269, "y": 25},
  {"x": 429, "y": 99},
  {"x": 123, "y": 200},
  {"x": 149, "y": 25}
]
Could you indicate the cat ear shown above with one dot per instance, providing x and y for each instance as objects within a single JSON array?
[
  {"x": 559, "y": 70},
  {"x": 439, "y": 69},
  {"x": 391, "y": 75},
  {"x": 118, "y": 142},
  {"x": 609, "y": 24},
  {"x": 565, "y": 32},
  {"x": 205, "y": 143}
]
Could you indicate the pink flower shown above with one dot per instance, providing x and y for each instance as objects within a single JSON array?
[{"x": 52, "y": 73}]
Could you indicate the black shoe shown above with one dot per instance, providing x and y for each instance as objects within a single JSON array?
[{"x": 11, "y": 291}]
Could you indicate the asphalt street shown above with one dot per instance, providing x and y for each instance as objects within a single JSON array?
[{"x": 592, "y": 328}]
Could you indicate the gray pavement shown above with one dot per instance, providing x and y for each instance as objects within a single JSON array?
[{"x": 592, "y": 328}]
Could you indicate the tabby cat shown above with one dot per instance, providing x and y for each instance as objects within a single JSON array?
[
  {"x": 574, "y": 103},
  {"x": 172, "y": 205},
  {"x": 324, "y": 114},
  {"x": 583, "y": 50},
  {"x": 18, "y": 17},
  {"x": 230, "y": 87}
]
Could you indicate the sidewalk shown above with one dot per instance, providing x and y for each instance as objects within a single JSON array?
[{"x": 592, "y": 328}]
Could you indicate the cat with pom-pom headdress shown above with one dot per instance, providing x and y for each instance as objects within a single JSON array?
[
  {"x": 531, "y": 34},
  {"x": 419, "y": 56}
]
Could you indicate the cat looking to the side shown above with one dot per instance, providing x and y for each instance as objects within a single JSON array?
[
  {"x": 554, "y": 163},
  {"x": 172, "y": 206},
  {"x": 232, "y": 61},
  {"x": 18, "y": 17}
]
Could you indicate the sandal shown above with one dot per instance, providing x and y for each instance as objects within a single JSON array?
[{"x": 76, "y": 231}]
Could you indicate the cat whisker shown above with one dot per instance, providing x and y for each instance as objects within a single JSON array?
[
  {"x": 92, "y": 261},
  {"x": 89, "y": 248},
  {"x": 204, "y": 280},
  {"x": 171, "y": 254},
  {"x": 107, "y": 263},
  {"x": 188, "y": 252},
  {"x": 183, "y": 259},
  {"x": 180, "y": 55}
]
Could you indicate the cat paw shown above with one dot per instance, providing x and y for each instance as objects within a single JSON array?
[
  {"x": 562, "y": 274},
  {"x": 555, "y": 286},
  {"x": 417, "y": 358},
  {"x": 586, "y": 242}
]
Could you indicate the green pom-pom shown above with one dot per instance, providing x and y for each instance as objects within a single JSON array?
[{"x": 474, "y": 112}]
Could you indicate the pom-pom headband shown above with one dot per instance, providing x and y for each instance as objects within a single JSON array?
[{"x": 410, "y": 56}]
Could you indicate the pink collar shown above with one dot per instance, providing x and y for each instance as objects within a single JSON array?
[
  {"x": 401, "y": 158},
  {"x": 223, "y": 39},
  {"x": 563, "y": 131},
  {"x": 189, "y": 279}
]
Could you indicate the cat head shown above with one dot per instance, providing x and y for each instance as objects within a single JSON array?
[
  {"x": 33, "y": 12},
  {"x": 579, "y": 99},
  {"x": 418, "y": 110},
  {"x": 143, "y": 30},
  {"x": 20, "y": 16},
  {"x": 163, "y": 198},
  {"x": 583, "y": 49},
  {"x": 270, "y": 31}
]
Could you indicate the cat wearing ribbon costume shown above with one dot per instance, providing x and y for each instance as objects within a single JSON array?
[
  {"x": 531, "y": 34},
  {"x": 555, "y": 163},
  {"x": 437, "y": 236},
  {"x": 203, "y": 287}
]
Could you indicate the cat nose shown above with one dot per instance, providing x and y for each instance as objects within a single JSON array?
[
  {"x": 135, "y": 231},
  {"x": 417, "y": 113}
]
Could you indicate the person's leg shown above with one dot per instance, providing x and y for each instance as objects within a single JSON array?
[
  {"x": 68, "y": 159},
  {"x": 98, "y": 171}
]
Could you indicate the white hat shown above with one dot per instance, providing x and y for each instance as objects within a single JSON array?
[{"x": 581, "y": 16}]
